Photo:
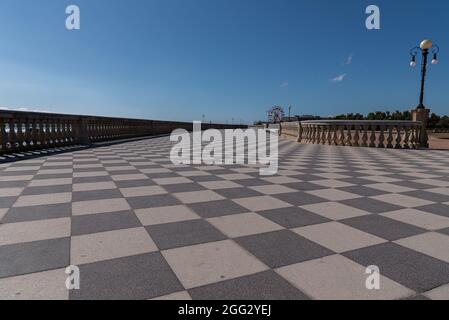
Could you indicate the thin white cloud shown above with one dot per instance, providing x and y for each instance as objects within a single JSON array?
[
  {"x": 24, "y": 109},
  {"x": 349, "y": 59},
  {"x": 339, "y": 78},
  {"x": 284, "y": 84}
]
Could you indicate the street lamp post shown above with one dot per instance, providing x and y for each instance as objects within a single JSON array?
[
  {"x": 421, "y": 113},
  {"x": 425, "y": 48}
]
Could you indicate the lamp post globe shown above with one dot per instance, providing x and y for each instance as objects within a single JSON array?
[{"x": 426, "y": 44}]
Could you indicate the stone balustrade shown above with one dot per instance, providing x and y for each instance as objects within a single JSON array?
[
  {"x": 28, "y": 131},
  {"x": 362, "y": 133}
]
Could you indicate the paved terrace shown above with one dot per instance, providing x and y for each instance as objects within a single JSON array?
[{"x": 140, "y": 228}]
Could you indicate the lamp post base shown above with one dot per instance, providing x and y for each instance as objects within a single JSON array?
[{"x": 422, "y": 114}]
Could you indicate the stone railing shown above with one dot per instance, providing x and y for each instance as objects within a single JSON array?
[
  {"x": 374, "y": 134},
  {"x": 28, "y": 131}
]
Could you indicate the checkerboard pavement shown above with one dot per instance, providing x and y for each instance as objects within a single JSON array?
[{"x": 140, "y": 227}]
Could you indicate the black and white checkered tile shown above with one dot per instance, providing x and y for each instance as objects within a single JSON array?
[{"x": 140, "y": 227}]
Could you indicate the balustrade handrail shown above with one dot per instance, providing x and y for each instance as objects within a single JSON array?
[
  {"x": 363, "y": 122},
  {"x": 358, "y": 133},
  {"x": 28, "y": 131}
]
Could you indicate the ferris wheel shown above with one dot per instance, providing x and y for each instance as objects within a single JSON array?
[{"x": 276, "y": 114}]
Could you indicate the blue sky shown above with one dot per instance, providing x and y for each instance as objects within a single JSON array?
[{"x": 180, "y": 59}]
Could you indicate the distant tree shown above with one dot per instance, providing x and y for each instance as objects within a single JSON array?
[
  {"x": 434, "y": 120},
  {"x": 406, "y": 115},
  {"x": 443, "y": 123}
]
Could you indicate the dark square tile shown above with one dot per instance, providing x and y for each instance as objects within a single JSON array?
[
  {"x": 47, "y": 190},
  {"x": 281, "y": 248},
  {"x": 414, "y": 185},
  {"x": 430, "y": 196},
  {"x": 131, "y": 278},
  {"x": 363, "y": 191},
  {"x": 153, "y": 201},
  {"x": 252, "y": 182},
  {"x": 437, "y": 208},
  {"x": 236, "y": 193},
  {"x": 7, "y": 202},
  {"x": 293, "y": 217},
  {"x": 162, "y": 175},
  {"x": 183, "y": 187},
  {"x": 261, "y": 286},
  {"x": 204, "y": 178},
  {"x": 13, "y": 184},
  {"x": 371, "y": 205},
  {"x": 104, "y": 222},
  {"x": 304, "y": 186},
  {"x": 31, "y": 257},
  {"x": 124, "y": 172},
  {"x": 219, "y": 208},
  {"x": 52, "y": 176},
  {"x": 96, "y": 195},
  {"x": 18, "y": 173},
  {"x": 85, "y": 170},
  {"x": 408, "y": 267},
  {"x": 383, "y": 227},
  {"x": 134, "y": 183},
  {"x": 181, "y": 234},
  {"x": 444, "y": 231},
  {"x": 51, "y": 211},
  {"x": 299, "y": 198},
  {"x": 92, "y": 179}
]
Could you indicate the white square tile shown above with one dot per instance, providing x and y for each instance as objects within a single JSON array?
[
  {"x": 129, "y": 177},
  {"x": 21, "y": 232},
  {"x": 339, "y": 278},
  {"x": 440, "y": 293},
  {"x": 402, "y": 200},
  {"x": 170, "y": 181},
  {"x": 419, "y": 218},
  {"x": 334, "y": 194},
  {"x": 388, "y": 187},
  {"x": 142, "y": 191},
  {"x": 99, "y": 206},
  {"x": 273, "y": 189},
  {"x": 338, "y": 237},
  {"x": 335, "y": 210},
  {"x": 246, "y": 224},
  {"x": 211, "y": 262},
  {"x": 261, "y": 203},
  {"x": 432, "y": 244},
  {"x": 220, "y": 185},
  {"x": 153, "y": 216},
  {"x": 198, "y": 196},
  {"x": 110, "y": 245},
  {"x": 235, "y": 176},
  {"x": 108, "y": 185},
  {"x": 10, "y": 192},
  {"x": 48, "y": 285},
  {"x": 37, "y": 200}
]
